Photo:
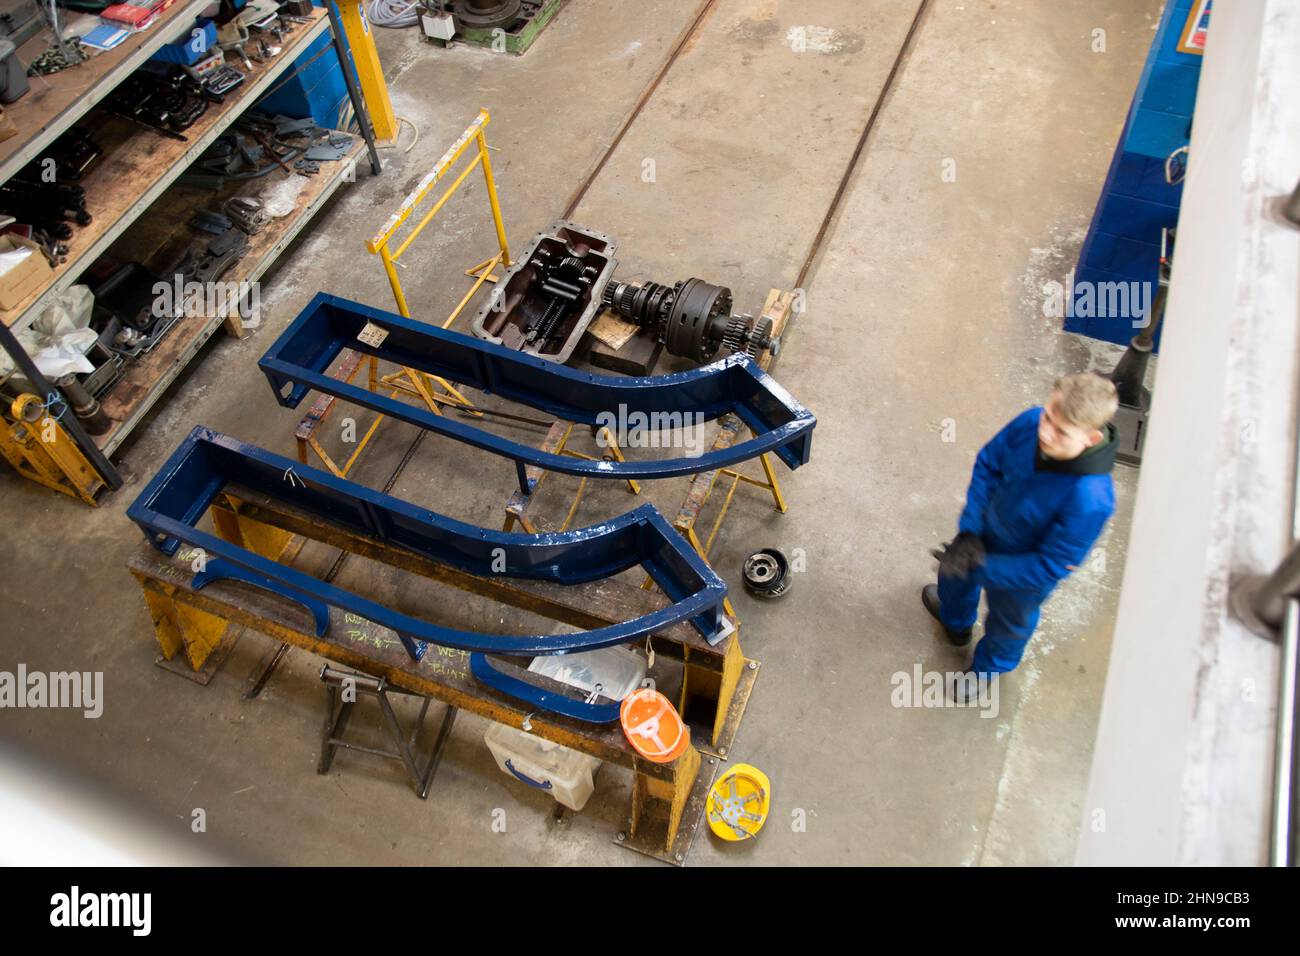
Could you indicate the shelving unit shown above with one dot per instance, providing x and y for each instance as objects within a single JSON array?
[
  {"x": 139, "y": 164},
  {"x": 148, "y": 377},
  {"x": 58, "y": 100},
  {"x": 140, "y": 210}
]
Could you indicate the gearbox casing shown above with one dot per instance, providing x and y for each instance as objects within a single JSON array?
[{"x": 519, "y": 303}]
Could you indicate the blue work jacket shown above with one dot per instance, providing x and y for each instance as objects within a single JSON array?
[{"x": 1038, "y": 517}]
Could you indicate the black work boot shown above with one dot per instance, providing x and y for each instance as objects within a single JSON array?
[{"x": 930, "y": 598}]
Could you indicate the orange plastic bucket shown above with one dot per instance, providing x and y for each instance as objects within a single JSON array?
[{"x": 653, "y": 727}]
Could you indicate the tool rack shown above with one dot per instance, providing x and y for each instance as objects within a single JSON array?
[{"x": 137, "y": 176}]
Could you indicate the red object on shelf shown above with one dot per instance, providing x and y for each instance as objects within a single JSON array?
[
  {"x": 137, "y": 18},
  {"x": 138, "y": 15}
]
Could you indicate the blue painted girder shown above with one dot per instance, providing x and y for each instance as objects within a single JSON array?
[
  {"x": 588, "y": 710},
  {"x": 170, "y": 506},
  {"x": 299, "y": 360}
]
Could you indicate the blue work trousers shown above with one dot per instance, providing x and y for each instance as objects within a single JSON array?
[{"x": 1008, "y": 626}]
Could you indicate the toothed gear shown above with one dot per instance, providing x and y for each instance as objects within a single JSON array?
[
  {"x": 759, "y": 337},
  {"x": 627, "y": 299},
  {"x": 733, "y": 339}
]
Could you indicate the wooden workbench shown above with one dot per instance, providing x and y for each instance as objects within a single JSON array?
[{"x": 716, "y": 680}]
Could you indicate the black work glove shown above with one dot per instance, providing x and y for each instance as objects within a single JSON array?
[{"x": 960, "y": 556}]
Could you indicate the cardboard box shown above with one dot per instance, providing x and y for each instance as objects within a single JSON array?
[{"x": 26, "y": 277}]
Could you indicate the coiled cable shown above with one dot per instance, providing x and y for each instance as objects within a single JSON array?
[{"x": 393, "y": 13}]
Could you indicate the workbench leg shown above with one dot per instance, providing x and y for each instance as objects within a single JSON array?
[
  {"x": 336, "y": 720},
  {"x": 662, "y": 801},
  {"x": 247, "y": 533},
  {"x": 182, "y": 628},
  {"x": 163, "y": 614},
  {"x": 720, "y": 687},
  {"x": 399, "y": 740},
  {"x": 439, "y": 743},
  {"x": 778, "y": 499}
]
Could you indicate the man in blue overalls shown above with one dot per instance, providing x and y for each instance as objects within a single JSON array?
[{"x": 1039, "y": 496}]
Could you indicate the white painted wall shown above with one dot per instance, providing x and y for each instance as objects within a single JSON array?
[{"x": 1182, "y": 767}]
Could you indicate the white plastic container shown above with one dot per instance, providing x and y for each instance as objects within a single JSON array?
[
  {"x": 617, "y": 670},
  {"x": 567, "y": 775}
]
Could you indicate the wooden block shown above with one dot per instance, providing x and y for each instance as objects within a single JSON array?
[
  {"x": 613, "y": 330},
  {"x": 637, "y": 356},
  {"x": 349, "y": 364}
]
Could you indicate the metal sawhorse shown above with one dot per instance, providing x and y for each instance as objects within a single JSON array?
[{"x": 340, "y": 686}]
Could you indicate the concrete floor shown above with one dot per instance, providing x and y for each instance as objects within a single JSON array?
[{"x": 923, "y": 316}]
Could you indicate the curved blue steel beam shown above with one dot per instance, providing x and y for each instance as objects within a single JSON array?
[
  {"x": 218, "y": 570},
  {"x": 556, "y": 703},
  {"x": 177, "y": 497},
  {"x": 298, "y": 361}
]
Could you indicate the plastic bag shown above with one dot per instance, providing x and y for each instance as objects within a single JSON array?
[
  {"x": 30, "y": 345},
  {"x": 67, "y": 355},
  {"x": 9, "y": 260},
  {"x": 68, "y": 312},
  {"x": 60, "y": 336},
  {"x": 280, "y": 199}
]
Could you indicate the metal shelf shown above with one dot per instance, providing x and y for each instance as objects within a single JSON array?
[
  {"x": 138, "y": 173},
  {"x": 57, "y": 101},
  {"x": 130, "y": 400},
  {"x": 140, "y": 164}
]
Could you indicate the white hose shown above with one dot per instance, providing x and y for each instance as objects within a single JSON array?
[{"x": 393, "y": 13}]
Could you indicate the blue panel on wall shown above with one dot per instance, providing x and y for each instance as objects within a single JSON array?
[
  {"x": 1113, "y": 253},
  {"x": 1143, "y": 177},
  {"x": 1136, "y": 203},
  {"x": 1159, "y": 134},
  {"x": 1172, "y": 88},
  {"x": 1135, "y": 218}
]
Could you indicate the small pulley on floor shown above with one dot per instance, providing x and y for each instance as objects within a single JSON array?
[{"x": 767, "y": 573}]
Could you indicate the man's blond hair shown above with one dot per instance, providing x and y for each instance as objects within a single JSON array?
[{"x": 1086, "y": 399}]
